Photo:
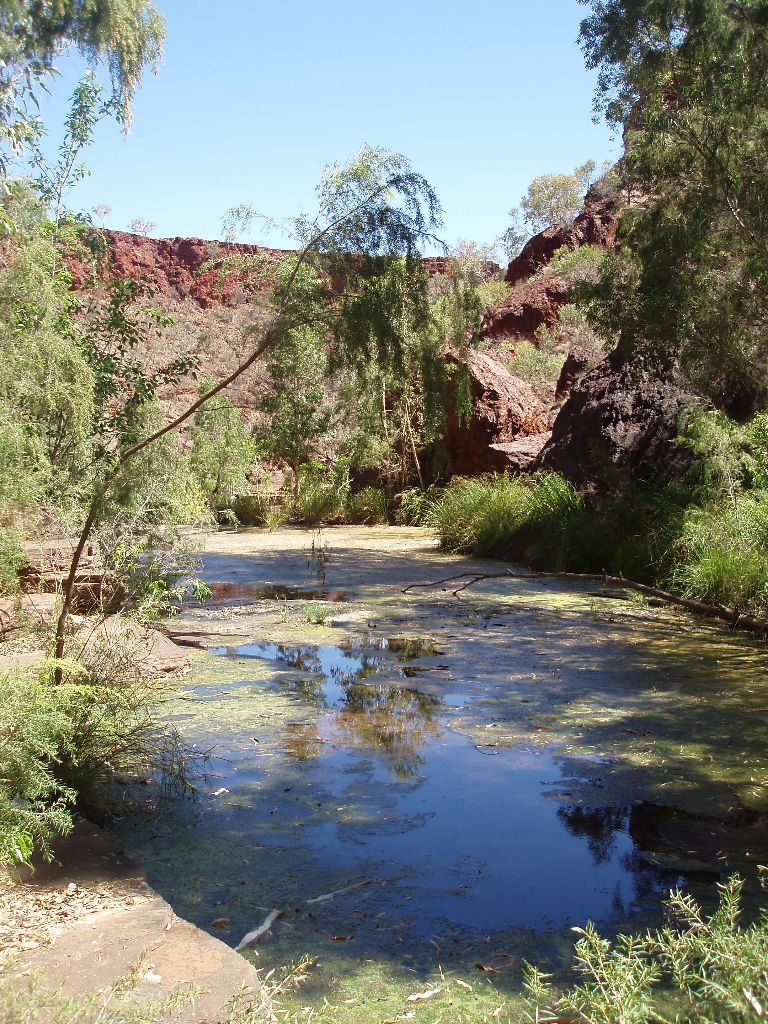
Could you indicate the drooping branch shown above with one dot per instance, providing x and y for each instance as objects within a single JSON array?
[
  {"x": 732, "y": 616},
  {"x": 269, "y": 336}
]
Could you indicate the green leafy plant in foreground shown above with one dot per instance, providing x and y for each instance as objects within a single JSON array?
[
  {"x": 698, "y": 969},
  {"x": 34, "y": 803}
]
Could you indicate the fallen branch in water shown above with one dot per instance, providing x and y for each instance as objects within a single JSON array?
[
  {"x": 338, "y": 892},
  {"x": 732, "y": 616},
  {"x": 255, "y": 935}
]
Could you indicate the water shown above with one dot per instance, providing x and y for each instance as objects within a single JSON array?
[
  {"x": 365, "y": 781},
  {"x": 485, "y": 774}
]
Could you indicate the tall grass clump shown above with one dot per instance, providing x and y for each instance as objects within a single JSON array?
[
  {"x": 414, "y": 505},
  {"x": 369, "y": 506},
  {"x": 509, "y": 517},
  {"x": 721, "y": 555}
]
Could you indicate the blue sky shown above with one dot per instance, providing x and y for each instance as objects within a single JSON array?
[{"x": 254, "y": 98}]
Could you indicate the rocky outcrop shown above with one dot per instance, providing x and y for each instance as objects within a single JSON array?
[
  {"x": 505, "y": 409},
  {"x": 172, "y": 267},
  {"x": 622, "y": 415},
  {"x": 597, "y": 224},
  {"x": 525, "y": 310}
]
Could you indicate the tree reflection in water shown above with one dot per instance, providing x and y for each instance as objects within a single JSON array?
[{"x": 391, "y": 720}]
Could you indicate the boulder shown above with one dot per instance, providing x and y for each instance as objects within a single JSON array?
[
  {"x": 527, "y": 308},
  {"x": 520, "y": 455},
  {"x": 622, "y": 415},
  {"x": 505, "y": 408},
  {"x": 141, "y": 653}
]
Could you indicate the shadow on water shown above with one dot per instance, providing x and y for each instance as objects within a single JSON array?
[{"x": 525, "y": 768}]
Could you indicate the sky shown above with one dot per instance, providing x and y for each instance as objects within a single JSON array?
[{"x": 253, "y": 99}]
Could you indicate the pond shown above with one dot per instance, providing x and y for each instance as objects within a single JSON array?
[{"x": 420, "y": 783}]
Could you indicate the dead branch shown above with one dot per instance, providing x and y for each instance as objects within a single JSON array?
[{"x": 732, "y": 616}]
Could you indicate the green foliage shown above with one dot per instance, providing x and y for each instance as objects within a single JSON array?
[
  {"x": 705, "y": 968},
  {"x": 46, "y": 396},
  {"x": 577, "y": 266},
  {"x": 535, "y": 365},
  {"x": 550, "y": 199},
  {"x": 316, "y": 612},
  {"x": 686, "y": 81},
  {"x": 126, "y": 34},
  {"x": 728, "y": 455},
  {"x": 12, "y": 558},
  {"x": 34, "y": 802},
  {"x": 369, "y": 506},
  {"x": 222, "y": 453},
  {"x": 322, "y": 493},
  {"x": 299, "y": 409}
]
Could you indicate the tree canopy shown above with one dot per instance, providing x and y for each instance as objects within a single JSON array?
[
  {"x": 126, "y": 35},
  {"x": 687, "y": 80}
]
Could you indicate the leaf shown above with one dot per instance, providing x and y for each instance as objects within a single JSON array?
[
  {"x": 423, "y": 995},
  {"x": 486, "y": 968},
  {"x": 463, "y": 984}
]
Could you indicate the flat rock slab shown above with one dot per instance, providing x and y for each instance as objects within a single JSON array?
[
  {"x": 137, "y": 934},
  {"x": 145, "y": 652}
]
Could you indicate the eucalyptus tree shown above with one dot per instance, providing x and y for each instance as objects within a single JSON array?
[
  {"x": 371, "y": 212},
  {"x": 126, "y": 35},
  {"x": 687, "y": 83}
]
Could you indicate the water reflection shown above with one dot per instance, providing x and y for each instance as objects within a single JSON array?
[
  {"x": 598, "y": 825},
  {"x": 392, "y": 721},
  {"x": 392, "y": 718}
]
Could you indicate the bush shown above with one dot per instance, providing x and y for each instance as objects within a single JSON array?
[
  {"x": 370, "y": 506},
  {"x": 34, "y": 804},
  {"x": 535, "y": 365},
  {"x": 577, "y": 266},
  {"x": 80, "y": 743},
  {"x": 12, "y": 559},
  {"x": 253, "y": 509},
  {"x": 322, "y": 492},
  {"x": 707, "y": 968}
]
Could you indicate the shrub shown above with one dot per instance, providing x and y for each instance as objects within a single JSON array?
[
  {"x": 577, "y": 266},
  {"x": 535, "y": 365},
  {"x": 369, "y": 506},
  {"x": 34, "y": 804},
  {"x": 80, "y": 742},
  {"x": 708, "y": 968},
  {"x": 322, "y": 492},
  {"x": 12, "y": 559}
]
